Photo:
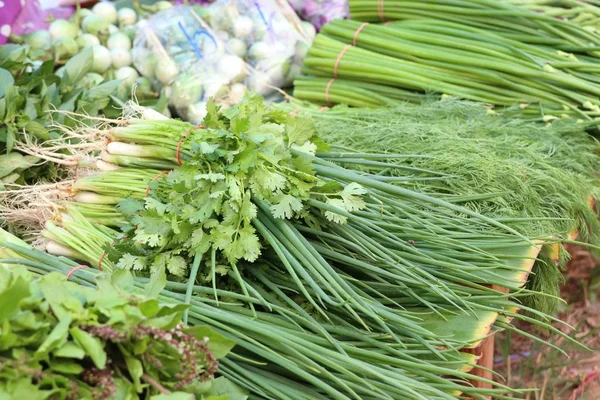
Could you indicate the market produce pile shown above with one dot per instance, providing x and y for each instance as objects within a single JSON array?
[
  {"x": 167, "y": 232},
  {"x": 79, "y": 342},
  {"x": 485, "y": 51}
]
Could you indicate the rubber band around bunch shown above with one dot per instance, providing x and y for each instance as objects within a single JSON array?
[
  {"x": 75, "y": 269},
  {"x": 355, "y": 36},
  {"x": 380, "y": 7},
  {"x": 154, "y": 179},
  {"x": 183, "y": 137},
  {"x": 103, "y": 256},
  {"x": 335, "y": 72}
]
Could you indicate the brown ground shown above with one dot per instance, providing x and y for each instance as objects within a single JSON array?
[{"x": 557, "y": 376}]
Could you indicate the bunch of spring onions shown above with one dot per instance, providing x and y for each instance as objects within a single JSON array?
[
  {"x": 512, "y": 19},
  {"x": 284, "y": 353},
  {"x": 369, "y": 65},
  {"x": 537, "y": 178},
  {"x": 371, "y": 269}
]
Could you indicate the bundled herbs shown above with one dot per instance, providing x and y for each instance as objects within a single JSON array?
[
  {"x": 584, "y": 14},
  {"x": 369, "y": 65},
  {"x": 286, "y": 354},
  {"x": 29, "y": 92},
  {"x": 508, "y": 19},
  {"x": 320, "y": 269},
  {"x": 537, "y": 178},
  {"x": 63, "y": 340}
]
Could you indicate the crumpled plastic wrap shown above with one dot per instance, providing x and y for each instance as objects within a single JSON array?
[
  {"x": 178, "y": 51},
  {"x": 267, "y": 34}
]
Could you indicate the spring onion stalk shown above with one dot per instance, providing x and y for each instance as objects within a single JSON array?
[
  {"x": 444, "y": 57},
  {"x": 485, "y": 171},
  {"x": 276, "y": 358},
  {"x": 583, "y": 14}
]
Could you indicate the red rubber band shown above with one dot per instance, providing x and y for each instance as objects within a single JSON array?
[
  {"x": 153, "y": 179},
  {"x": 77, "y": 268},
  {"x": 360, "y": 28},
  {"x": 327, "y": 91},
  {"x": 380, "y": 6},
  {"x": 322, "y": 109},
  {"x": 295, "y": 112},
  {"x": 101, "y": 259},
  {"x": 387, "y": 23},
  {"x": 185, "y": 135},
  {"x": 339, "y": 58}
]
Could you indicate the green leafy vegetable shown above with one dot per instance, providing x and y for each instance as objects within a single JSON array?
[{"x": 70, "y": 341}]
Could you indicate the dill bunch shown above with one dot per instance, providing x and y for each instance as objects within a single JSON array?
[{"x": 539, "y": 179}]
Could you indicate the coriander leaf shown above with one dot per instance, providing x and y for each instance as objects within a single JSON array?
[
  {"x": 249, "y": 242},
  {"x": 285, "y": 206},
  {"x": 299, "y": 130},
  {"x": 307, "y": 147},
  {"x": 210, "y": 177},
  {"x": 333, "y": 216},
  {"x": 350, "y": 196},
  {"x": 177, "y": 265},
  {"x": 131, "y": 262}
]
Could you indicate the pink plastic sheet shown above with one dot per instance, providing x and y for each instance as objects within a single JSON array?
[
  {"x": 319, "y": 12},
  {"x": 18, "y": 17}
]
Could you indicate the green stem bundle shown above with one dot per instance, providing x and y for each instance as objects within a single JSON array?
[{"x": 370, "y": 65}]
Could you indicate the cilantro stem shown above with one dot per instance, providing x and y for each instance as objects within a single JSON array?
[{"x": 191, "y": 280}]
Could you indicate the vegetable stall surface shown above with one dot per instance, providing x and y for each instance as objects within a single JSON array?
[
  {"x": 262, "y": 230},
  {"x": 65, "y": 340}
]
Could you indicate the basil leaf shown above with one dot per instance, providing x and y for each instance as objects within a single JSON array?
[
  {"x": 157, "y": 282},
  {"x": 136, "y": 370},
  {"x": 57, "y": 338},
  {"x": 14, "y": 161},
  {"x": 102, "y": 91},
  {"x": 92, "y": 346},
  {"x": 224, "y": 388},
  {"x": 6, "y": 81},
  {"x": 70, "y": 350},
  {"x": 79, "y": 65},
  {"x": 16, "y": 289},
  {"x": 175, "y": 396},
  {"x": 218, "y": 344},
  {"x": 66, "y": 367}
]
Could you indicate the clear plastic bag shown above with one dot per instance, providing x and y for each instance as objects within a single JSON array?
[
  {"x": 178, "y": 50},
  {"x": 267, "y": 34},
  {"x": 320, "y": 12}
]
